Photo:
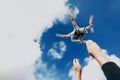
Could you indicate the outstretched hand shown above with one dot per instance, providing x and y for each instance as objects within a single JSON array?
[
  {"x": 95, "y": 51},
  {"x": 93, "y": 48},
  {"x": 77, "y": 66},
  {"x": 77, "y": 69}
]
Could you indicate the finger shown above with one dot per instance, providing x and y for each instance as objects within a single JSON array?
[
  {"x": 91, "y": 43},
  {"x": 77, "y": 63},
  {"x": 94, "y": 44},
  {"x": 74, "y": 61},
  {"x": 88, "y": 42}
]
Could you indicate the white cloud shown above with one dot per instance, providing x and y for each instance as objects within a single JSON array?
[
  {"x": 92, "y": 70},
  {"x": 75, "y": 12},
  {"x": 22, "y": 73},
  {"x": 46, "y": 73},
  {"x": 21, "y": 22},
  {"x": 72, "y": 73},
  {"x": 61, "y": 46},
  {"x": 55, "y": 54}
]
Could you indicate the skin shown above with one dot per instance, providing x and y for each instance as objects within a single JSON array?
[
  {"x": 95, "y": 51},
  {"x": 77, "y": 69}
]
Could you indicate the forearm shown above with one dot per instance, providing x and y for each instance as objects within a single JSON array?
[
  {"x": 110, "y": 69},
  {"x": 77, "y": 69},
  {"x": 101, "y": 58},
  {"x": 78, "y": 75}
]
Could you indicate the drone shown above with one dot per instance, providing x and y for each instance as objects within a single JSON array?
[{"x": 79, "y": 32}]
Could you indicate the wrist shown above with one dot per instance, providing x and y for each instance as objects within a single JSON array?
[
  {"x": 78, "y": 71},
  {"x": 102, "y": 58}
]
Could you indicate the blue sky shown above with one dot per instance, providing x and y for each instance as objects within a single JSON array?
[{"x": 106, "y": 22}]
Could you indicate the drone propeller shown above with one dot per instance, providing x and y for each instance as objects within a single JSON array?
[
  {"x": 60, "y": 35},
  {"x": 91, "y": 19},
  {"x": 90, "y": 23}
]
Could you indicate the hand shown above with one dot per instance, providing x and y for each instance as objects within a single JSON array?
[
  {"x": 95, "y": 51},
  {"x": 77, "y": 66},
  {"x": 93, "y": 48}
]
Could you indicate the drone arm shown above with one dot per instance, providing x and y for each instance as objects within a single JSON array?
[
  {"x": 87, "y": 27},
  {"x": 66, "y": 35},
  {"x": 74, "y": 23},
  {"x": 70, "y": 34},
  {"x": 91, "y": 27},
  {"x": 73, "y": 20}
]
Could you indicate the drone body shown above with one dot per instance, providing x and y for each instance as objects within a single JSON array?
[{"x": 79, "y": 32}]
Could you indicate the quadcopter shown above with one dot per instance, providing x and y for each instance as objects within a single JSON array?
[{"x": 79, "y": 32}]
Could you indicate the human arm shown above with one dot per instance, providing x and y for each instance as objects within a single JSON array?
[
  {"x": 77, "y": 69},
  {"x": 110, "y": 69},
  {"x": 95, "y": 51}
]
